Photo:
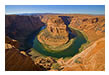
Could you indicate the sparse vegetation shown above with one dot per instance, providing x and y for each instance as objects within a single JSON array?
[
  {"x": 84, "y": 46},
  {"x": 56, "y": 66},
  {"x": 78, "y": 60},
  {"x": 59, "y": 48}
]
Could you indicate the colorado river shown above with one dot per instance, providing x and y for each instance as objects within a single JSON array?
[{"x": 68, "y": 52}]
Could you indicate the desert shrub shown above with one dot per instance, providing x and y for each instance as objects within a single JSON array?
[
  {"x": 78, "y": 22},
  {"x": 78, "y": 60},
  {"x": 84, "y": 46},
  {"x": 55, "y": 66}
]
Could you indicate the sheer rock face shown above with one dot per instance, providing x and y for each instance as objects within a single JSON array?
[
  {"x": 20, "y": 27},
  {"x": 55, "y": 34},
  {"x": 16, "y": 61}
]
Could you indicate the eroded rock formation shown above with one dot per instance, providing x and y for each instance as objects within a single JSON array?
[
  {"x": 55, "y": 33},
  {"x": 16, "y": 61},
  {"x": 45, "y": 62},
  {"x": 92, "y": 26}
]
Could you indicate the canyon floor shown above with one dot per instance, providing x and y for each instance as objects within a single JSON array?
[{"x": 21, "y": 51}]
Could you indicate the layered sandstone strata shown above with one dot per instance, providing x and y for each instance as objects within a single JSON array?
[
  {"x": 91, "y": 59},
  {"x": 92, "y": 26},
  {"x": 55, "y": 33}
]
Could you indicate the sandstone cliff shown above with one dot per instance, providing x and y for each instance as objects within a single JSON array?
[
  {"x": 20, "y": 27},
  {"x": 16, "y": 61}
]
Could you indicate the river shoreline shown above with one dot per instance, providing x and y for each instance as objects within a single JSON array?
[{"x": 71, "y": 51}]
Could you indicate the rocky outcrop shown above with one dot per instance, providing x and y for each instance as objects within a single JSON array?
[
  {"x": 56, "y": 27},
  {"x": 10, "y": 42},
  {"x": 55, "y": 33},
  {"x": 91, "y": 59},
  {"x": 16, "y": 61},
  {"x": 92, "y": 26},
  {"x": 45, "y": 62}
]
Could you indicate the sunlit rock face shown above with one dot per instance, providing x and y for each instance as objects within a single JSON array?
[
  {"x": 15, "y": 59},
  {"x": 57, "y": 27},
  {"x": 55, "y": 34},
  {"x": 92, "y": 26}
]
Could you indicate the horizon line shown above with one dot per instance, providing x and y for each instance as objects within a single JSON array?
[{"x": 49, "y": 13}]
